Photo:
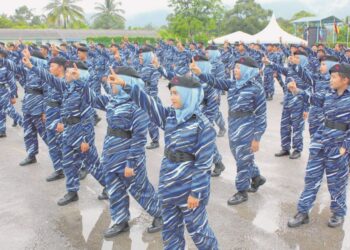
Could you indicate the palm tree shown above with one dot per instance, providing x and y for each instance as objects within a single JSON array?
[
  {"x": 64, "y": 12},
  {"x": 109, "y": 14}
]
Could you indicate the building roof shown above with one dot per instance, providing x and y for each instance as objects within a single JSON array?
[
  {"x": 69, "y": 34},
  {"x": 318, "y": 19}
]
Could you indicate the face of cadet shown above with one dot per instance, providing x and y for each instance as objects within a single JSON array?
[
  {"x": 347, "y": 54},
  {"x": 141, "y": 59},
  {"x": 338, "y": 82},
  {"x": 320, "y": 54},
  {"x": 237, "y": 71},
  {"x": 323, "y": 68},
  {"x": 175, "y": 98},
  {"x": 56, "y": 69},
  {"x": 82, "y": 55},
  {"x": 296, "y": 59},
  {"x": 43, "y": 51}
]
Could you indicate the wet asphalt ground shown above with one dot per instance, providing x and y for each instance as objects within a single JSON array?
[{"x": 30, "y": 218}]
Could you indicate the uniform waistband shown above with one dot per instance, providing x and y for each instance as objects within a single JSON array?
[
  {"x": 336, "y": 125},
  {"x": 178, "y": 156},
  {"x": 119, "y": 133}
]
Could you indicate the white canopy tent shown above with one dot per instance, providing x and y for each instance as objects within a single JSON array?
[
  {"x": 273, "y": 33},
  {"x": 232, "y": 38}
]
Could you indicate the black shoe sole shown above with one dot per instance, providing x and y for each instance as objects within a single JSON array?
[
  {"x": 236, "y": 203},
  {"x": 152, "y": 231},
  {"x": 298, "y": 225},
  {"x": 55, "y": 179},
  {"x": 67, "y": 202},
  {"x": 119, "y": 232},
  {"x": 26, "y": 164}
]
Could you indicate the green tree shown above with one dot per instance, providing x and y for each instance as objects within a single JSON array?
[
  {"x": 301, "y": 14},
  {"x": 22, "y": 15},
  {"x": 196, "y": 19},
  {"x": 64, "y": 12},
  {"x": 5, "y": 22},
  {"x": 109, "y": 15},
  {"x": 247, "y": 16}
]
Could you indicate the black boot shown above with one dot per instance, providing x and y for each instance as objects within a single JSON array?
[
  {"x": 295, "y": 155},
  {"x": 298, "y": 220},
  {"x": 14, "y": 124},
  {"x": 238, "y": 198},
  {"x": 3, "y": 135},
  {"x": 335, "y": 221},
  {"x": 256, "y": 183},
  {"x": 83, "y": 173},
  {"x": 55, "y": 176},
  {"x": 68, "y": 198},
  {"x": 222, "y": 132},
  {"x": 156, "y": 226},
  {"x": 282, "y": 153},
  {"x": 116, "y": 229},
  {"x": 103, "y": 195},
  {"x": 153, "y": 145},
  {"x": 219, "y": 167},
  {"x": 27, "y": 161}
]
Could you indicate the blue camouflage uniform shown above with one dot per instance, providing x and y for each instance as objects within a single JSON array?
[
  {"x": 194, "y": 137},
  {"x": 8, "y": 91},
  {"x": 247, "y": 122},
  {"x": 150, "y": 75},
  {"x": 33, "y": 107},
  {"x": 218, "y": 70},
  {"x": 292, "y": 123},
  {"x": 324, "y": 152},
  {"x": 126, "y": 149},
  {"x": 76, "y": 115}
]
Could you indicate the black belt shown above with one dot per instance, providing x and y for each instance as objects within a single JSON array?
[
  {"x": 71, "y": 120},
  {"x": 34, "y": 91},
  {"x": 178, "y": 156},
  {"x": 240, "y": 114},
  {"x": 119, "y": 133},
  {"x": 53, "y": 104},
  {"x": 336, "y": 125}
]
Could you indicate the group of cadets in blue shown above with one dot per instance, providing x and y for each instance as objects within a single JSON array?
[{"x": 63, "y": 89}]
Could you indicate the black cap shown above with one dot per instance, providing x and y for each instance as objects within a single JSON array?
[
  {"x": 37, "y": 54},
  {"x": 321, "y": 50},
  {"x": 11, "y": 44},
  {"x": 80, "y": 65},
  {"x": 212, "y": 47},
  {"x": 343, "y": 68},
  {"x": 248, "y": 61},
  {"x": 83, "y": 49},
  {"x": 83, "y": 44},
  {"x": 126, "y": 71},
  {"x": 200, "y": 58},
  {"x": 293, "y": 45},
  {"x": 329, "y": 58},
  {"x": 146, "y": 49},
  {"x": 300, "y": 53},
  {"x": 45, "y": 47},
  {"x": 59, "y": 60},
  {"x": 114, "y": 45},
  {"x": 3, "y": 53},
  {"x": 184, "y": 81}
]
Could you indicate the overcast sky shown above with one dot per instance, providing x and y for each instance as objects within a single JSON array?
[{"x": 134, "y": 7}]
